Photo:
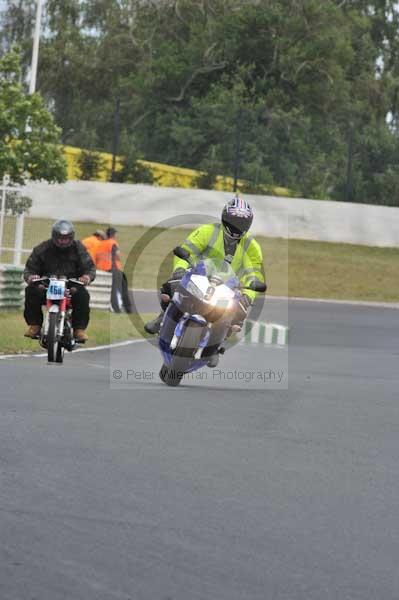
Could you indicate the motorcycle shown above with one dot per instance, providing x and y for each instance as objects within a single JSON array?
[
  {"x": 56, "y": 334},
  {"x": 199, "y": 316}
]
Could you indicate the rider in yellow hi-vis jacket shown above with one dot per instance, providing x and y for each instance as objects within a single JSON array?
[
  {"x": 208, "y": 242},
  {"x": 228, "y": 239}
]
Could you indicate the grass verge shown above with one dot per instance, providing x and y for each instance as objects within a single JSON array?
[
  {"x": 104, "y": 328},
  {"x": 293, "y": 267}
]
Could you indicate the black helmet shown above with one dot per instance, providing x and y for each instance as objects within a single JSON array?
[
  {"x": 63, "y": 234},
  {"x": 237, "y": 217}
]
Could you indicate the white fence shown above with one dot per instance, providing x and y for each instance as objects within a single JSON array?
[{"x": 11, "y": 226}]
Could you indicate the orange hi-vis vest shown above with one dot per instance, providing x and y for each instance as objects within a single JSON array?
[
  {"x": 104, "y": 255},
  {"x": 92, "y": 244}
]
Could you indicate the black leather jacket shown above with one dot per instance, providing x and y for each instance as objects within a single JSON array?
[{"x": 71, "y": 262}]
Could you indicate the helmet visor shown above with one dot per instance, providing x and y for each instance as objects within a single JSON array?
[
  {"x": 232, "y": 231},
  {"x": 63, "y": 240}
]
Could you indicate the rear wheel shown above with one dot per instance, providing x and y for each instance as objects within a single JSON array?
[{"x": 54, "y": 348}]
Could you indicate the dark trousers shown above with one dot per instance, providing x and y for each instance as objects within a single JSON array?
[
  {"x": 120, "y": 298},
  {"x": 35, "y": 297}
]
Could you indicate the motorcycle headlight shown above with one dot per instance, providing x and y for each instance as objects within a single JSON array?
[{"x": 194, "y": 290}]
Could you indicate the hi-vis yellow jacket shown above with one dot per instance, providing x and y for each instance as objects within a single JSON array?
[{"x": 207, "y": 242}]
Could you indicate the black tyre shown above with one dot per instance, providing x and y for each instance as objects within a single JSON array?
[
  {"x": 59, "y": 358},
  {"x": 188, "y": 343},
  {"x": 170, "y": 376},
  {"x": 183, "y": 356},
  {"x": 54, "y": 350}
]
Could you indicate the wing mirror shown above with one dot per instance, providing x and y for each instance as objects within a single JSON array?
[{"x": 182, "y": 253}]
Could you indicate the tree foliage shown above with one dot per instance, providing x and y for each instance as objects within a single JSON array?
[
  {"x": 311, "y": 88},
  {"x": 28, "y": 133}
]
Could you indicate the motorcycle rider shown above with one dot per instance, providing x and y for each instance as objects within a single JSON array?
[
  {"x": 61, "y": 255},
  {"x": 230, "y": 239}
]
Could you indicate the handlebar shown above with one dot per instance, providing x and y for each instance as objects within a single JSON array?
[{"x": 42, "y": 280}]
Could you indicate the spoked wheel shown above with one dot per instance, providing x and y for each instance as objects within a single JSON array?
[{"x": 55, "y": 351}]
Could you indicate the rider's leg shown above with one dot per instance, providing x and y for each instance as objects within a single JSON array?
[
  {"x": 166, "y": 293},
  {"x": 80, "y": 300},
  {"x": 154, "y": 326},
  {"x": 35, "y": 297}
]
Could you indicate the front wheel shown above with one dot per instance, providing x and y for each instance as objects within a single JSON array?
[
  {"x": 54, "y": 348},
  {"x": 170, "y": 376}
]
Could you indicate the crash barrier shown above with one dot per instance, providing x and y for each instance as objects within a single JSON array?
[
  {"x": 100, "y": 291},
  {"x": 294, "y": 218},
  {"x": 12, "y": 288},
  {"x": 265, "y": 333}
]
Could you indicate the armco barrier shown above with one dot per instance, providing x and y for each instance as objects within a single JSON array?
[
  {"x": 12, "y": 289},
  {"x": 100, "y": 291}
]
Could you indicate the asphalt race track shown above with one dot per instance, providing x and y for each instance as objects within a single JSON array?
[{"x": 117, "y": 487}]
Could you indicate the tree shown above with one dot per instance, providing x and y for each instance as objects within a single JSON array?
[
  {"x": 28, "y": 134},
  {"x": 303, "y": 73},
  {"x": 90, "y": 165}
]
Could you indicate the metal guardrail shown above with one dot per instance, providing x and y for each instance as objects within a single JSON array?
[
  {"x": 12, "y": 288},
  {"x": 100, "y": 291}
]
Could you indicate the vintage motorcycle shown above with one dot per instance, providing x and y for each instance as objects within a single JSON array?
[
  {"x": 199, "y": 316},
  {"x": 56, "y": 334}
]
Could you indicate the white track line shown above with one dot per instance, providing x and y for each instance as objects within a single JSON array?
[
  {"x": 283, "y": 298},
  {"x": 394, "y": 305},
  {"x": 95, "y": 349},
  {"x": 322, "y": 300}
]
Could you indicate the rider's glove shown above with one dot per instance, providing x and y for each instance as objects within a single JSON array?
[
  {"x": 85, "y": 279},
  {"x": 178, "y": 274},
  {"x": 168, "y": 288},
  {"x": 33, "y": 278},
  {"x": 245, "y": 302}
]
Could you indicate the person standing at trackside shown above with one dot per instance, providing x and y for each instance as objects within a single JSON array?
[
  {"x": 109, "y": 259},
  {"x": 62, "y": 256},
  {"x": 93, "y": 242}
]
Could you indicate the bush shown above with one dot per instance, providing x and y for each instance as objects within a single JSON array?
[
  {"x": 90, "y": 165},
  {"x": 133, "y": 171}
]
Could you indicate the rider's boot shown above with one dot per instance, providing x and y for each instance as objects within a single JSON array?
[
  {"x": 80, "y": 335},
  {"x": 213, "y": 361},
  {"x": 33, "y": 332},
  {"x": 154, "y": 326}
]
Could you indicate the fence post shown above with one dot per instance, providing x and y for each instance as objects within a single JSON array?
[
  {"x": 6, "y": 181},
  {"x": 19, "y": 239}
]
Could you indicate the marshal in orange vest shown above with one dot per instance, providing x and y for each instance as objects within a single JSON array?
[{"x": 106, "y": 250}]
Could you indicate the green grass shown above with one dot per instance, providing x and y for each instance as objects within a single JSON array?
[
  {"x": 295, "y": 267},
  {"x": 104, "y": 328}
]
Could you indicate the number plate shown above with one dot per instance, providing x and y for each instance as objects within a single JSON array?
[{"x": 56, "y": 290}]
